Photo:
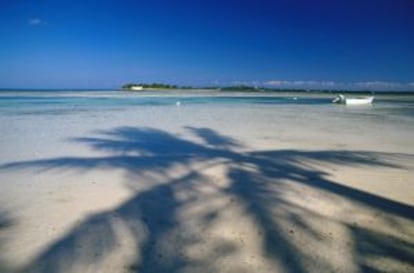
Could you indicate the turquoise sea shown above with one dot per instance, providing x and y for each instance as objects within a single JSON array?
[{"x": 70, "y": 102}]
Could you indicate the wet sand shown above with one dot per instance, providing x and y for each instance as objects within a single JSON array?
[{"x": 215, "y": 188}]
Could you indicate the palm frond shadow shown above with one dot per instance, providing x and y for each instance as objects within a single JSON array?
[
  {"x": 257, "y": 180},
  {"x": 5, "y": 222}
]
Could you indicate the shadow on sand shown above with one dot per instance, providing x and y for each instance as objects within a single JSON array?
[
  {"x": 5, "y": 222},
  {"x": 261, "y": 183}
]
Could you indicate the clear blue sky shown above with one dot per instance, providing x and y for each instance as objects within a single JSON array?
[{"x": 282, "y": 43}]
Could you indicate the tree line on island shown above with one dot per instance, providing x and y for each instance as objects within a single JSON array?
[
  {"x": 130, "y": 86},
  {"x": 162, "y": 86},
  {"x": 242, "y": 88}
]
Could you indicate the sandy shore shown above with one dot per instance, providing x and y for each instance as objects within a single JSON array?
[{"x": 246, "y": 188}]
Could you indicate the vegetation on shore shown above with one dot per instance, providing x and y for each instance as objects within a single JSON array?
[
  {"x": 130, "y": 86},
  {"x": 238, "y": 88},
  {"x": 246, "y": 88}
]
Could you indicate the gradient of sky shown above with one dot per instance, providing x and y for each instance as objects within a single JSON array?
[{"x": 365, "y": 44}]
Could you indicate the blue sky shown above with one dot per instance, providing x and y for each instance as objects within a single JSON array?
[{"x": 288, "y": 43}]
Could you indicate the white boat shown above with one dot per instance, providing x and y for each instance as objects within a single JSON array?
[{"x": 353, "y": 101}]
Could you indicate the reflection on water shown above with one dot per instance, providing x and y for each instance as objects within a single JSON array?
[{"x": 61, "y": 103}]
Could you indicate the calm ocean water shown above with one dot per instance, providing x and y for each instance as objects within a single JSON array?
[
  {"x": 64, "y": 102},
  {"x": 32, "y": 123}
]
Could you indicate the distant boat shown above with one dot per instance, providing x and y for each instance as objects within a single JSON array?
[{"x": 341, "y": 99}]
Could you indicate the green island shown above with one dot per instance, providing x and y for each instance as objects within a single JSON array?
[
  {"x": 136, "y": 87},
  {"x": 144, "y": 86},
  {"x": 237, "y": 88}
]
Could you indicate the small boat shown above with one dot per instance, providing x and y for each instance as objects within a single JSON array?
[{"x": 341, "y": 99}]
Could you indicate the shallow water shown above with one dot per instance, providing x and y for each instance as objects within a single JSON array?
[
  {"x": 113, "y": 99},
  {"x": 71, "y": 102},
  {"x": 265, "y": 119}
]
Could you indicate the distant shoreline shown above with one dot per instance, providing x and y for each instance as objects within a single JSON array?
[
  {"x": 215, "y": 90},
  {"x": 269, "y": 91}
]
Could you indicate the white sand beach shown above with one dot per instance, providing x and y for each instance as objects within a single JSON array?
[{"x": 207, "y": 188}]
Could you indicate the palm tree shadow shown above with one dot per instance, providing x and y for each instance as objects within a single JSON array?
[
  {"x": 151, "y": 218},
  {"x": 378, "y": 245},
  {"x": 5, "y": 222},
  {"x": 262, "y": 203}
]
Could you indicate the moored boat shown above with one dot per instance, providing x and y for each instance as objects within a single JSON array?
[{"x": 341, "y": 99}]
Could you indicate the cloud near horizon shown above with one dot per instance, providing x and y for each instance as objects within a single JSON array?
[{"x": 366, "y": 85}]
